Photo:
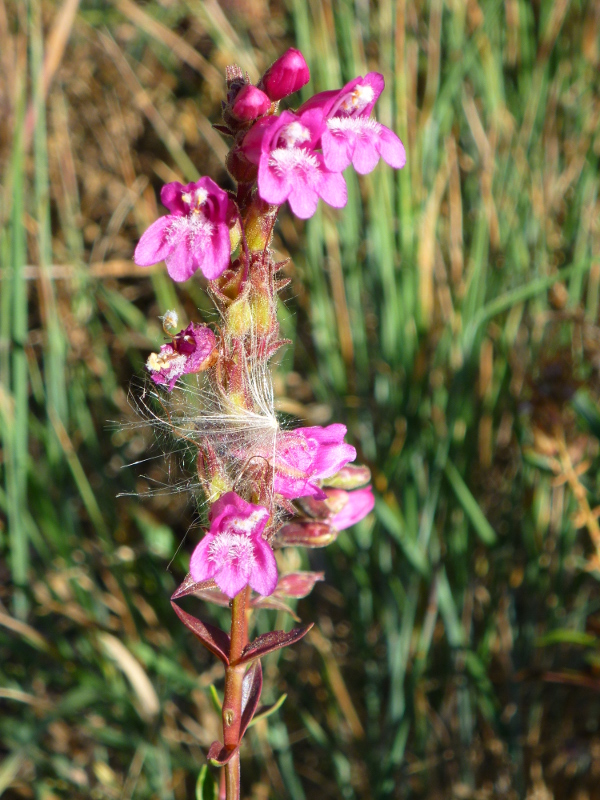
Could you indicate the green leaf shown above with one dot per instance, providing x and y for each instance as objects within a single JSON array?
[
  {"x": 471, "y": 507},
  {"x": 206, "y": 786}
]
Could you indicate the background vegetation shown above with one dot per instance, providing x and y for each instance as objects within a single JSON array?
[{"x": 449, "y": 315}]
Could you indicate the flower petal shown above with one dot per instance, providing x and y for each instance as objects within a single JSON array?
[
  {"x": 201, "y": 568},
  {"x": 181, "y": 263},
  {"x": 337, "y": 150},
  {"x": 365, "y": 156},
  {"x": 231, "y": 578},
  {"x": 273, "y": 187},
  {"x": 303, "y": 200},
  {"x": 391, "y": 148},
  {"x": 154, "y": 246},
  {"x": 263, "y": 578},
  {"x": 170, "y": 197},
  {"x": 214, "y": 260},
  {"x": 333, "y": 189}
]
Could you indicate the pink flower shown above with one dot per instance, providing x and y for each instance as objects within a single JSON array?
[
  {"x": 289, "y": 168},
  {"x": 286, "y": 75},
  {"x": 352, "y": 508},
  {"x": 250, "y": 103},
  {"x": 233, "y": 552},
  {"x": 352, "y": 135},
  {"x": 195, "y": 235},
  {"x": 307, "y": 455},
  {"x": 190, "y": 350}
]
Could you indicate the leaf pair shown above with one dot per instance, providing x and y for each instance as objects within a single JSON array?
[{"x": 217, "y": 641}]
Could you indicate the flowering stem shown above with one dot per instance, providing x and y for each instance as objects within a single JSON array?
[
  {"x": 232, "y": 778},
  {"x": 232, "y": 701}
]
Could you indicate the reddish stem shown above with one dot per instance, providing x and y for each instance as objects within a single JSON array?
[{"x": 232, "y": 700}]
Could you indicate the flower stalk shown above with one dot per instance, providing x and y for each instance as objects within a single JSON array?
[{"x": 265, "y": 487}]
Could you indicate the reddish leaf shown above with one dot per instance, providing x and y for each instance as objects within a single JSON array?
[
  {"x": 214, "y": 595},
  {"x": 223, "y": 129},
  {"x": 274, "y": 640},
  {"x": 214, "y": 639},
  {"x": 297, "y": 584},
  {"x": 190, "y": 586},
  {"x": 251, "y": 689},
  {"x": 220, "y": 755}
]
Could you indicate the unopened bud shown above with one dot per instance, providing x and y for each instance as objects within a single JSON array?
[
  {"x": 250, "y": 103},
  {"x": 239, "y": 167},
  {"x": 305, "y": 533},
  {"x": 349, "y": 477},
  {"x": 297, "y": 584},
  {"x": 288, "y": 74}
]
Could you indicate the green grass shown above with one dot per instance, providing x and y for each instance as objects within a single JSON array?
[{"x": 448, "y": 315}]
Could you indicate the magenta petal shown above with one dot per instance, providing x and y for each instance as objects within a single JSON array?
[
  {"x": 376, "y": 81},
  {"x": 333, "y": 189},
  {"x": 170, "y": 197},
  {"x": 272, "y": 187},
  {"x": 201, "y": 569},
  {"x": 215, "y": 260},
  {"x": 337, "y": 151},
  {"x": 360, "y": 503},
  {"x": 365, "y": 157},
  {"x": 391, "y": 148},
  {"x": 263, "y": 578},
  {"x": 331, "y": 459},
  {"x": 232, "y": 578},
  {"x": 154, "y": 246},
  {"x": 303, "y": 200},
  {"x": 181, "y": 263},
  {"x": 321, "y": 100}
]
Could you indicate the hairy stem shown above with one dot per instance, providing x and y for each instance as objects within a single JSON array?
[{"x": 232, "y": 701}]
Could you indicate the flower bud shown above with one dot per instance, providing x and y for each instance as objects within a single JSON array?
[
  {"x": 250, "y": 103},
  {"x": 349, "y": 477},
  {"x": 288, "y": 74},
  {"x": 238, "y": 166},
  {"x": 297, "y": 584},
  {"x": 305, "y": 533}
]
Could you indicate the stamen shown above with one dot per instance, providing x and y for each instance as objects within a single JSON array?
[
  {"x": 170, "y": 320},
  {"x": 201, "y": 197},
  {"x": 294, "y": 133},
  {"x": 359, "y": 99}
]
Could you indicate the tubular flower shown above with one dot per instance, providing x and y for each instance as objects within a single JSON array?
[
  {"x": 195, "y": 235},
  {"x": 352, "y": 135},
  {"x": 289, "y": 168},
  {"x": 307, "y": 455},
  {"x": 191, "y": 350},
  {"x": 233, "y": 552}
]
